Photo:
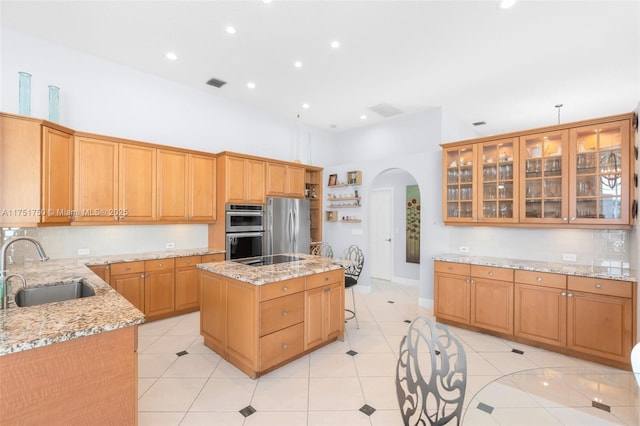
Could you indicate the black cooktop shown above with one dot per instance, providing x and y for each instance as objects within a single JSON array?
[{"x": 267, "y": 260}]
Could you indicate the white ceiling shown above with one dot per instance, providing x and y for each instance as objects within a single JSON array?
[{"x": 479, "y": 62}]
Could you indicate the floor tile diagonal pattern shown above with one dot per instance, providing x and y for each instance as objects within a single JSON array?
[{"x": 326, "y": 387}]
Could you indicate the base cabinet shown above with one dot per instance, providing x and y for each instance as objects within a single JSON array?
[
  {"x": 128, "y": 280},
  {"x": 159, "y": 287},
  {"x": 591, "y": 318},
  {"x": 260, "y": 327}
]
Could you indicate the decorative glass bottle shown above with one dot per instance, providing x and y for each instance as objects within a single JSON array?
[
  {"x": 24, "y": 93},
  {"x": 54, "y": 104}
]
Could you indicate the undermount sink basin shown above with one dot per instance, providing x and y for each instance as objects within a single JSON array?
[{"x": 31, "y": 296}]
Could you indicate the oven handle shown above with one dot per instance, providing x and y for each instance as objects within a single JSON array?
[
  {"x": 244, "y": 234},
  {"x": 244, "y": 213}
]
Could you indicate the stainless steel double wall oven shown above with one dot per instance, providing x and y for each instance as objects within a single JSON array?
[{"x": 245, "y": 230}]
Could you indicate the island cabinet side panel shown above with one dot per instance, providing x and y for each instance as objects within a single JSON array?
[
  {"x": 242, "y": 326},
  {"x": 90, "y": 380},
  {"x": 213, "y": 311}
]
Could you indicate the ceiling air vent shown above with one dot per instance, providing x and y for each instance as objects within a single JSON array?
[
  {"x": 385, "y": 110},
  {"x": 216, "y": 83}
]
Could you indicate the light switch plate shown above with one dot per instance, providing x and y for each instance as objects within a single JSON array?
[
  {"x": 170, "y": 245},
  {"x": 569, "y": 257},
  {"x": 84, "y": 251},
  {"x": 464, "y": 249}
]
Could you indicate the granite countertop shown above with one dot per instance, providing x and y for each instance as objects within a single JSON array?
[
  {"x": 35, "y": 326},
  {"x": 612, "y": 273},
  {"x": 258, "y": 275}
]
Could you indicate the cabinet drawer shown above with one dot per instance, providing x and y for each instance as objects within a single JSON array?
[
  {"x": 544, "y": 279},
  {"x": 218, "y": 257},
  {"x": 127, "y": 267},
  {"x": 187, "y": 261},
  {"x": 324, "y": 278},
  {"x": 453, "y": 268},
  {"x": 282, "y": 312},
  {"x": 280, "y": 346},
  {"x": 492, "y": 272},
  {"x": 159, "y": 264},
  {"x": 600, "y": 286},
  {"x": 281, "y": 288}
]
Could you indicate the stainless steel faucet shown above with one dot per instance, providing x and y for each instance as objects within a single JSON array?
[{"x": 3, "y": 262}]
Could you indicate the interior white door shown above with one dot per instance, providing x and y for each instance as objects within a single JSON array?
[{"x": 381, "y": 246}]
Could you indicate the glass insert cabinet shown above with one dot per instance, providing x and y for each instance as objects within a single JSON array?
[{"x": 577, "y": 174}]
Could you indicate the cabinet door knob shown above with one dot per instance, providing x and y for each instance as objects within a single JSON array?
[
  {"x": 450, "y": 268},
  {"x": 327, "y": 290},
  {"x": 188, "y": 262},
  {"x": 573, "y": 218},
  {"x": 141, "y": 275},
  {"x": 563, "y": 294},
  {"x": 564, "y": 219},
  {"x": 106, "y": 268},
  {"x": 285, "y": 313},
  {"x": 161, "y": 265},
  {"x": 285, "y": 288},
  {"x": 570, "y": 295},
  {"x": 490, "y": 273},
  {"x": 598, "y": 286},
  {"x": 128, "y": 268},
  {"x": 539, "y": 279},
  {"x": 284, "y": 346}
]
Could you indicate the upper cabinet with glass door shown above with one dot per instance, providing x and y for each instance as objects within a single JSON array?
[
  {"x": 600, "y": 162},
  {"x": 458, "y": 173},
  {"x": 544, "y": 178},
  {"x": 498, "y": 189}
]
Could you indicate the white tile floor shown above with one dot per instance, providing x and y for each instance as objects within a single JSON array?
[{"x": 326, "y": 387}]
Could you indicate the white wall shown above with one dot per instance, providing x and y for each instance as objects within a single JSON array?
[{"x": 102, "y": 97}]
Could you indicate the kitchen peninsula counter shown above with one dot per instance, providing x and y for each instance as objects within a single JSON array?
[{"x": 261, "y": 317}]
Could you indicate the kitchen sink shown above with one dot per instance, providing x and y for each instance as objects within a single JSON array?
[{"x": 31, "y": 296}]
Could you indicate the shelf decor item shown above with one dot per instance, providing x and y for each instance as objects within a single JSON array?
[
  {"x": 333, "y": 180},
  {"x": 54, "y": 104},
  {"x": 24, "y": 93}
]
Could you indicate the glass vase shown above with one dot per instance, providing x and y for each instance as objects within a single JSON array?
[
  {"x": 24, "y": 93},
  {"x": 54, "y": 104}
]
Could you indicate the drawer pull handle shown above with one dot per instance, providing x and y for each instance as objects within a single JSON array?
[
  {"x": 284, "y": 346},
  {"x": 188, "y": 262},
  {"x": 450, "y": 268},
  {"x": 161, "y": 265},
  {"x": 128, "y": 268},
  {"x": 285, "y": 313},
  {"x": 285, "y": 288},
  {"x": 490, "y": 273},
  {"x": 539, "y": 279},
  {"x": 598, "y": 285},
  {"x": 326, "y": 278}
]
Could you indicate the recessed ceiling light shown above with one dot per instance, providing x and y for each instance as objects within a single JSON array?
[
  {"x": 363, "y": 117},
  {"x": 230, "y": 29},
  {"x": 297, "y": 64},
  {"x": 305, "y": 106},
  {"x": 335, "y": 44},
  {"x": 251, "y": 85},
  {"x": 172, "y": 56},
  {"x": 506, "y": 4}
]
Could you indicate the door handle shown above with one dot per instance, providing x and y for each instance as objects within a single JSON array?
[{"x": 388, "y": 239}]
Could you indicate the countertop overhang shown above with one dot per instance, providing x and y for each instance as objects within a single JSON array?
[
  {"x": 605, "y": 272},
  {"x": 265, "y": 274}
]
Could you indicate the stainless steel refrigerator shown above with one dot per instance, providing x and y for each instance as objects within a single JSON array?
[{"x": 288, "y": 227}]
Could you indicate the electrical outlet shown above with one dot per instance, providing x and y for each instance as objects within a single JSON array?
[
  {"x": 464, "y": 249},
  {"x": 356, "y": 231},
  {"x": 84, "y": 252},
  {"x": 569, "y": 257},
  {"x": 170, "y": 245}
]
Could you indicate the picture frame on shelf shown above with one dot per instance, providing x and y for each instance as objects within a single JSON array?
[{"x": 333, "y": 180}]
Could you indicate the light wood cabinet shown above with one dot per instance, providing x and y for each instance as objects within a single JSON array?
[
  {"x": 213, "y": 311},
  {"x": 587, "y": 317},
  {"x": 186, "y": 187},
  {"x": 600, "y": 317},
  {"x": 57, "y": 176},
  {"x": 114, "y": 181},
  {"x": 259, "y": 327},
  {"x": 313, "y": 192},
  {"x": 187, "y": 293},
  {"x": 285, "y": 180},
  {"x": 159, "y": 287},
  {"x": 128, "y": 279},
  {"x": 324, "y": 308},
  {"x": 103, "y": 271},
  {"x": 492, "y": 298},
  {"x": 569, "y": 175},
  {"x": 540, "y": 307},
  {"x": 36, "y": 172},
  {"x": 243, "y": 178},
  {"x": 480, "y": 296}
]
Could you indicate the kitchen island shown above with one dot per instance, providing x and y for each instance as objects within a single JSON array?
[{"x": 259, "y": 314}]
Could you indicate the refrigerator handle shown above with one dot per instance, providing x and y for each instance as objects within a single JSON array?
[{"x": 294, "y": 226}]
